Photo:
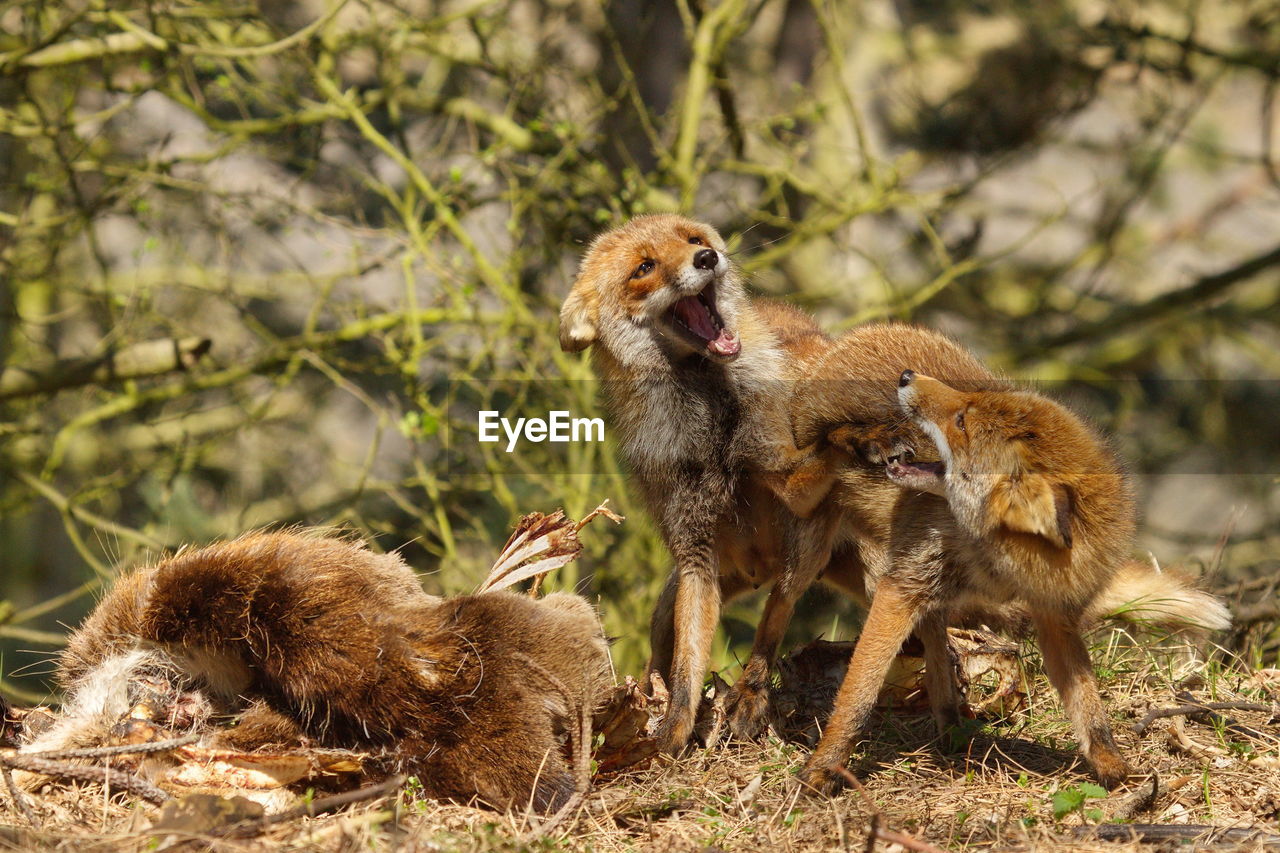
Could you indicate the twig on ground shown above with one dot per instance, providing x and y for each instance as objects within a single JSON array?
[
  {"x": 1145, "y": 797},
  {"x": 123, "y": 749},
  {"x": 86, "y": 773},
  {"x": 1149, "y": 832},
  {"x": 1208, "y": 718},
  {"x": 325, "y": 805},
  {"x": 657, "y": 811},
  {"x": 1193, "y": 708},
  {"x": 1139, "y": 801},
  {"x": 1177, "y": 738},
  {"x": 53, "y": 764}
]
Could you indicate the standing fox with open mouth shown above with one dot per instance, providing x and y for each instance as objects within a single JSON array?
[
  {"x": 691, "y": 370},
  {"x": 1038, "y": 513}
]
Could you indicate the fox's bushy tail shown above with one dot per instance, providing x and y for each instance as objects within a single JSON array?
[{"x": 1145, "y": 594}]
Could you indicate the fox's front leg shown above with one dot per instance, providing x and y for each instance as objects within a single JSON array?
[
  {"x": 802, "y": 478},
  {"x": 893, "y": 615},
  {"x": 876, "y": 443},
  {"x": 662, "y": 629},
  {"x": 696, "y": 611},
  {"x": 662, "y": 626},
  {"x": 1066, "y": 660}
]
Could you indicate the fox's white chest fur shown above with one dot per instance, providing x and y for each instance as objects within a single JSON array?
[{"x": 672, "y": 416}]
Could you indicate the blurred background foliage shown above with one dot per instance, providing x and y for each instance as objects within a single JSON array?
[{"x": 261, "y": 262}]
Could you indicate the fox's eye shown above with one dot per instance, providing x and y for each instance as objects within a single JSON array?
[
  {"x": 697, "y": 241},
  {"x": 960, "y": 421},
  {"x": 1028, "y": 436},
  {"x": 646, "y": 267}
]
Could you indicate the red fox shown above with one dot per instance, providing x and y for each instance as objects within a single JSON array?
[
  {"x": 695, "y": 378},
  {"x": 307, "y": 635},
  {"x": 848, "y": 394},
  {"x": 1038, "y": 513}
]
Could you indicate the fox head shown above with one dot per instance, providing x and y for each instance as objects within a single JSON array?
[
  {"x": 657, "y": 286},
  {"x": 1011, "y": 459}
]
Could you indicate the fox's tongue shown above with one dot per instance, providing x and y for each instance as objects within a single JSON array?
[{"x": 695, "y": 315}]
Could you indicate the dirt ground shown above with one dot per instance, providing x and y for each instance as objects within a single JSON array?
[{"x": 1001, "y": 784}]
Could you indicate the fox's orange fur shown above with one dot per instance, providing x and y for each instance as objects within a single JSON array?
[
  {"x": 844, "y": 395},
  {"x": 1038, "y": 515}
]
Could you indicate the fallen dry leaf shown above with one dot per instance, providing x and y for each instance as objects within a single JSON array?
[{"x": 205, "y": 767}]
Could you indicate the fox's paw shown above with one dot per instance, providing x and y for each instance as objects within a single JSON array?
[
  {"x": 1110, "y": 767},
  {"x": 747, "y": 709},
  {"x": 846, "y": 437},
  {"x": 673, "y": 733},
  {"x": 948, "y": 718},
  {"x": 820, "y": 780},
  {"x": 875, "y": 444},
  {"x": 888, "y": 448}
]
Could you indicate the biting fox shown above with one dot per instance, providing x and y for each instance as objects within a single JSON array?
[
  {"x": 302, "y": 635},
  {"x": 844, "y": 397},
  {"x": 848, "y": 394},
  {"x": 1036, "y": 512}
]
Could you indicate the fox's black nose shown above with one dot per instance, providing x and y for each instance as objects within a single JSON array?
[
  {"x": 706, "y": 259},
  {"x": 905, "y": 379}
]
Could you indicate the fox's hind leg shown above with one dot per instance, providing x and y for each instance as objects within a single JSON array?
[{"x": 1066, "y": 660}]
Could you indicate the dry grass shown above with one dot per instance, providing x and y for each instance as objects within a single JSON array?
[{"x": 991, "y": 788}]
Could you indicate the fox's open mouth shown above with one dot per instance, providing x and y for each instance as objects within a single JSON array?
[
  {"x": 925, "y": 476},
  {"x": 697, "y": 319}
]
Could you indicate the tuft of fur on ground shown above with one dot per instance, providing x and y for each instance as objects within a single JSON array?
[{"x": 992, "y": 786}]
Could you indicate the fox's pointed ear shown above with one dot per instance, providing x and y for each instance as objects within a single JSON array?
[
  {"x": 578, "y": 319},
  {"x": 1031, "y": 504}
]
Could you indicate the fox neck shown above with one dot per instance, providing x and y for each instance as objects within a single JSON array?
[{"x": 968, "y": 504}]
